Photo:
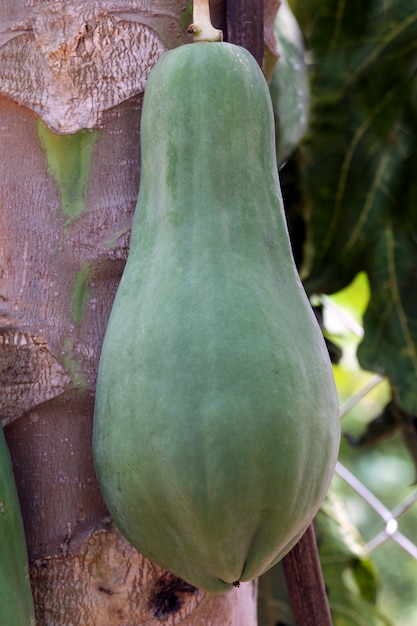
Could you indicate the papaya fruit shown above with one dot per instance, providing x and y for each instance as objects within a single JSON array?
[
  {"x": 216, "y": 427},
  {"x": 289, "y": 85},
  {"x": 16, "y": 601}
]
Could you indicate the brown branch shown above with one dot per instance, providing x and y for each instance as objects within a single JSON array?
[
  {"x": 245, "y": 26},
  {"x": 305, "y": 583}
]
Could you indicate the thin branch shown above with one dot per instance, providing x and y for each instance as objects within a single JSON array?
[
  {"x": 305, "y": 583},
  {"x": 245, "y": 26}
]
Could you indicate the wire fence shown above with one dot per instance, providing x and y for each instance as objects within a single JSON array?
[{"x": 389, "y": 518}]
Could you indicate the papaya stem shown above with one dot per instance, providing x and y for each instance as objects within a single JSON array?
[
  {"x": 202, "y": 29},
  {"x": 305, "y": 583}
]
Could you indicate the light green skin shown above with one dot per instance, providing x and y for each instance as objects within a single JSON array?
[
  {"x": 16, "y": 603},
  {"x": 216, "y": 424}
]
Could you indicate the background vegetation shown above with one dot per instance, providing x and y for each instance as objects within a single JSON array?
[
  {"x": 385, "y": 467},
  {"x": 350, "y": 190}
]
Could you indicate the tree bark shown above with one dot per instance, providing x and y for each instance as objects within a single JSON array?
[{"x": 66, "y": 203}]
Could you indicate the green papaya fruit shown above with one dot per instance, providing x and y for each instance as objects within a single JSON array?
[
  {"x": 216, "y": 426},
  {"x": 289, "y": 85},
  {"x": 16, "y": 602}
]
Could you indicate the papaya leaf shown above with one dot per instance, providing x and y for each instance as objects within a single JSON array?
[
  {"x": 358, "y": 166},
  {"x": 352, "y": 580},
  {"x": 390, "y": 321}
]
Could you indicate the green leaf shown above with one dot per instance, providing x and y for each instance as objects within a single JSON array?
[
  {"x": 390, "y": 322},
  {"x": 359, "y": 165},
  {"x": 351, "y": 578}
]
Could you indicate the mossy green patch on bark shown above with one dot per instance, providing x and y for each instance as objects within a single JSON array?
[
  {"x": 68, "y": 158},
  {"x": 80, "y": 293},
  {"x": 186, "y": 16},
  {"x": 74, "y": 366}
]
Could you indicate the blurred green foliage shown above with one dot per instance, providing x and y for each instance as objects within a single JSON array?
[
  {"x": 350, "y": 191},
  {"x": 357, "y": 171},
  {"x": 384, "y": 467}
]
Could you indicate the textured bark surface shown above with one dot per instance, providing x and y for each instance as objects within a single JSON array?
[
  {"x": 30, "y": 373},
  {"x": 59, "y": 273},
  {"x": 70, "y": 61},
  {"x": 116, "y": 585},
  {"x": 66, "y": 206},
  {"x": 85, "y": 57}
]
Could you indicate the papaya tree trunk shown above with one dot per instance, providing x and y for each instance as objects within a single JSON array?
[{"x": 71, "y": 80}]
